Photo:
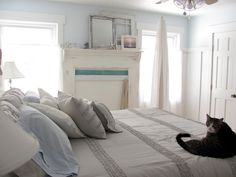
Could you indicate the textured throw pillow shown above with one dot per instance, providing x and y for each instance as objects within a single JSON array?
[
  {"x": 46, "y": 98},
  {"x": 16, "y": 92},
  {"x": 55, "y": 154},
  {"x": 63, "y": 120},
  {"x": 31, "y": 97},
  {"x": 82, "y": 114},
  {"x": 13, "y": 99},
  {"x": 106, "y": 117},
  {"x": 10, "y": 110}
]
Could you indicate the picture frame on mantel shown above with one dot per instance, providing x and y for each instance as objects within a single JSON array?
[{"x": 129, "y": 42}]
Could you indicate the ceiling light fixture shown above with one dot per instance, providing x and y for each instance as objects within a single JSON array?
[{"x": 189, "y": 5}]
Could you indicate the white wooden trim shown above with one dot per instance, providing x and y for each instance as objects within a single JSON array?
[
  {"x": 151, "y": 27},
  {"x": 222, "y": 27},
  {"x": 6, "y": 16},
  {"x": 75, "y": 52}
]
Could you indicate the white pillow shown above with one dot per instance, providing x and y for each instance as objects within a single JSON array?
[
  {"x": 31, "y": 97},
  {"x": 106, "y": 117},
  {"x": 82, "y": 114},
  {"x": 46, "y": 98},
  {"x": 63, "y": 120}
]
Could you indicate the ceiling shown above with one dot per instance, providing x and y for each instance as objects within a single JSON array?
[{"x": 149, "y": 5}]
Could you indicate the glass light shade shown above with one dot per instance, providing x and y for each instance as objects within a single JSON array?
[
  {"x": 189, "y": 4},
  {"x": 16, "y": 146}
]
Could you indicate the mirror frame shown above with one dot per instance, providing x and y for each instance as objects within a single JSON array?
[
  {"x": 91, "y": 37},
  {"x": 114, "y": 35}
]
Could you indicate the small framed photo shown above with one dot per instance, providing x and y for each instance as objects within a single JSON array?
[{"x": 128, "y": 42}]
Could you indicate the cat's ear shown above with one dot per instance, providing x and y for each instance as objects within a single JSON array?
[
  {"x": 208, "y": 117},
  {"x": 222, "y": 119}
]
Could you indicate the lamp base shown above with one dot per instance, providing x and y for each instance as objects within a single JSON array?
[{"x": 10, "y": 81}]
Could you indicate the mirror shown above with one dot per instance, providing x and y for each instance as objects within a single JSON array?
[
  {"x": 106, "y": 32},
  {"x": 101, "y": 32}
]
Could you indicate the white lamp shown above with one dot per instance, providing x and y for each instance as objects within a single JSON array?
[
  {"x": 16, "y": 146},
  {"x": 10, "y": 71}
]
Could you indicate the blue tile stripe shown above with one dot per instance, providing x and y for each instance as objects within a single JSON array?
[{"x": 101, "y": 72}]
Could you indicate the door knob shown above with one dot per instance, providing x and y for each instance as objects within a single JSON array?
[{"x": 233, "y": 96}]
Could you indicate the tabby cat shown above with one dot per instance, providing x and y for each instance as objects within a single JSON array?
[{"x": 220, "y": 140}]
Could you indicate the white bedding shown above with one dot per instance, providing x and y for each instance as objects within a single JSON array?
[{"x": 147, "y": 148}]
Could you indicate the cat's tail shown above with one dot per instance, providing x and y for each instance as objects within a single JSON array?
[{"x": 180, "y": 141}]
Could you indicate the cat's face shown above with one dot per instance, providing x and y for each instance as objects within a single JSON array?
[{"x": 213, "y": 124}]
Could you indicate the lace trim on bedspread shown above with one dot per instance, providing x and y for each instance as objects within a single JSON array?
[
  {"x": 108, "y": 163},
  {"x": 180, "y": 163},
  {"x": 171, "y": 126},
  {"x": 231, "y": 163}
]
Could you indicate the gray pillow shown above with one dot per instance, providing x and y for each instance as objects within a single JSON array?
[
  {"x": 10, "y": 110},
  {"x": 55, "y": 154},
  {"x": 63, "y": 120},
  {"x": 46, "y": 98},
  {"x": 106, "y": 117},
  {"x": 31, "y": 97},
  {"x": 16, "y": 92},
  {"x": 82, "y": 114},
  {"x": 13, "y": 99}
]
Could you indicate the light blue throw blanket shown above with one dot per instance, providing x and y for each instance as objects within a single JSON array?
[{"x": 55, "y": 156}]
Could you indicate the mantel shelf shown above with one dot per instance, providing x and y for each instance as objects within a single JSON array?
[{"x": 101, "y": 52}]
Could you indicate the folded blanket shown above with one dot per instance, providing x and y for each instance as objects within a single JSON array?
[{"x": 55, "y": 156}]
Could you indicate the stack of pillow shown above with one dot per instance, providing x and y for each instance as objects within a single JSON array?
[
  {"x": 54, "y": 120},
  {"x": 78, "y": 118}
]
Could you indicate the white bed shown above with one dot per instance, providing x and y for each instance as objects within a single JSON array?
[{"x": 147, "y": 148}]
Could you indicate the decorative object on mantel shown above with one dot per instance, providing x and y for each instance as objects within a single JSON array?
[
  {"x": 128, "y": 42},
  {"x": 10, "y": 71}
]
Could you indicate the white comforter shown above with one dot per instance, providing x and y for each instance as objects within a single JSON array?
[{"x": 147, "y": 148}]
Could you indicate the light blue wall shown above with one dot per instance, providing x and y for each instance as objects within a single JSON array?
[
  {"x": 76, "y": 27},
  {"x": 198, "y": 26}
]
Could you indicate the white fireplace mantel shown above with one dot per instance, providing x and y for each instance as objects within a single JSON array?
[{"x": 94, "y": 59}]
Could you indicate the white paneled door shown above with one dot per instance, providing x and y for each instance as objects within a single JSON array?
[{"x": 223, "y": 98}]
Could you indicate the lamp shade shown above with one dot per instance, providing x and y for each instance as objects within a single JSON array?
[
  {"x": 16, "y": 146},
  {"x": 10, "y": 71}
]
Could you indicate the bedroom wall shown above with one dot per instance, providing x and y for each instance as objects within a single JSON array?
[
  {"x": 198, "y": 76},
  {"x": 76, "y": 26},
  {"x": 77, "y": 17},
  {"x": 198, "y": 25}
]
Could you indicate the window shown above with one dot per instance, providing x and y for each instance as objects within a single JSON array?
[
  {"x": 146, "y": 68},
  {"x": 34, "y": 49}
]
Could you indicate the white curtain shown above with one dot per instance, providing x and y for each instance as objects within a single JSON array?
[{"x": 160, "y": 84}]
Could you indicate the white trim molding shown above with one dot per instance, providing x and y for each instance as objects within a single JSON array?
[{"x": 37, "y": 18}]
